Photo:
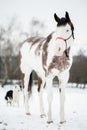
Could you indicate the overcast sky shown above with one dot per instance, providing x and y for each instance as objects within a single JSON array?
[{"x": 25, "y": 10}]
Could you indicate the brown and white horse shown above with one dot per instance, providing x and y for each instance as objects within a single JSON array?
[{"x": 48, "y": 57}]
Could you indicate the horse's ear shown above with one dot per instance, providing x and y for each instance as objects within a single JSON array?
[
  {"x": 67, "y": 16},
  {"x": 57, "y": 19}
]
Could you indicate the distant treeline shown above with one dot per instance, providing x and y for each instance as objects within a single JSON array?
[
  {"x": 78, "y": 72},
  {"x": 9, "y": 69}
]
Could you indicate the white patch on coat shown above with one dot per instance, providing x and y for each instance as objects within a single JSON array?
[{"x": 30, "y": 61}]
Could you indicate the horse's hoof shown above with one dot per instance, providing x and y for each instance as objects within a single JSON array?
[
  {"x": 49, "y": 122},
  {"x": 62, "y": 122},
  {"x": 42, "y": 115}
]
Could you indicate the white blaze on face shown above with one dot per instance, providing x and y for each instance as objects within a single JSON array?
[{"x": 64, "y": 32}]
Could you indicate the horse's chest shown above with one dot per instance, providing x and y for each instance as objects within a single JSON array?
[{"x": 59, "y": 62}]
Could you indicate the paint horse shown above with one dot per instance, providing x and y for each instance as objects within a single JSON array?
[{"x": 48, "y": 57}]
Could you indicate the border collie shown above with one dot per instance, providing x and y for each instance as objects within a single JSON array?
[{"x": 12, "y": 96}]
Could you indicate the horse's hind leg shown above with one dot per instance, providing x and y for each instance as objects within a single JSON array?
[
  {"x": 49, "y": 97},
  {"x": 26, "y": 92},
  {"x": 40, "y": 91}
]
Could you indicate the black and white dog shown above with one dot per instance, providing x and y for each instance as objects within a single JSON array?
[
  {"x": 12, "y": 96},
  {"x": 9, "y": 97}
]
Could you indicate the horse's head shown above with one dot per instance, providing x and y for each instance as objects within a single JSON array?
[{"x": 64, "y": 32}]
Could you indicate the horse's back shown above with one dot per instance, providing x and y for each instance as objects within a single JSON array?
[{"x": 31, "y": 55}]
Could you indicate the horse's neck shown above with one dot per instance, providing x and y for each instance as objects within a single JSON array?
[{"x": 54, "y": 45}]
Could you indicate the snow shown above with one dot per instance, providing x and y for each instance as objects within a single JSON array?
[{"x": 14, "y": 118}]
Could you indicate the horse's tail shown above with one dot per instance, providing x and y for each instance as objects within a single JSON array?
[{"x": 30, "y": 83}]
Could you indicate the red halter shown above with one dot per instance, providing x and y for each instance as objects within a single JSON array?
[{"x": 60, "y": 38}]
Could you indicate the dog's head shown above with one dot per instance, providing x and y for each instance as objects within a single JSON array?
[{"x": 17, "y": 88}]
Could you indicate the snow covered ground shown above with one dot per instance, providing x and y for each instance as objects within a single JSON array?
[{"x": 14, "y": 118}]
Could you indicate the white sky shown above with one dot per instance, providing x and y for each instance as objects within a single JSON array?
[{"x": 44, "y": 10}]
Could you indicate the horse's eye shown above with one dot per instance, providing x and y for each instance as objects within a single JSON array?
[{"x": 67, "y": 30}]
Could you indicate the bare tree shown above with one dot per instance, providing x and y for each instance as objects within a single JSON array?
[
  {"x": 78, "y": 72},
  {"x": 7, "y": 45},
  {"x": 37, "y": 27},
  {"x": 11, "y": 38}
]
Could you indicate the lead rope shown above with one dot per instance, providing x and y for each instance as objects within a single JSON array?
[
  {"x": 72, "y": 35},
  {"x": 66, "y": 49}
]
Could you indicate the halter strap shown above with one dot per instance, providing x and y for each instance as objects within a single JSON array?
[
  {"x": 65, "y": 40},
  {"x": 61, "y": 38}
]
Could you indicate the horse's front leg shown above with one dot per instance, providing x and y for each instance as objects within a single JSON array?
[
  {"x": 62, "y": 85},
  {"x": 49, "y": 97},
  {"x": 62, "y": 102},
  {"x": 26, "y": 93}
]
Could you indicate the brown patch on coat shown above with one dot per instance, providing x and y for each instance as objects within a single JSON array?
[
  {"x": 60, "y": 62},
  {"x": 35, "y": 40},
  {"x": 37, "y": 51},
  {"x": 44, "y": 53},
  {"x": 39, "y": 83}
]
